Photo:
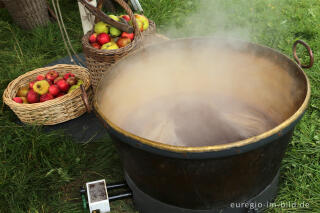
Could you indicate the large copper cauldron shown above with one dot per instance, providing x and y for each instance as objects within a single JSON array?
[{"x": 210, "y": 164}]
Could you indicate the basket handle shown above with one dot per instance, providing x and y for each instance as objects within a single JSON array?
[
  {"x": 85, "y": 99},
  {"x": 129, "y": 11},
  {"x": 121, "y": 26},
  {"x": 100, "y": 4}
]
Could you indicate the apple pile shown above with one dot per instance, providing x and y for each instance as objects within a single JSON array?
[
  {"x": 106, "y": 37},
  {"x": 47, "y": 87}
]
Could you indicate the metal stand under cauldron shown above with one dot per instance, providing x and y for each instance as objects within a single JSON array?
[{"x": 146, "y": 204}]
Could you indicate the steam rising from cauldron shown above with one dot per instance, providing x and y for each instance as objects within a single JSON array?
[
  {"x": 198, "y": 93},
  {"x": 240, "y": 19},
  {"x": 210, "y": 18}
]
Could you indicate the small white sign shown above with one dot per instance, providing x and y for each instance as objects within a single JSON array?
[{"x": 98, "y": 196}]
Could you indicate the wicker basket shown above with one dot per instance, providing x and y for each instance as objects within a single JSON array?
[
  {"x": 28, "y": 14},
  {"x": 98, "y": 61},
  {"x": 152, "y": 29},
  {"x": 55, "y": 111}
]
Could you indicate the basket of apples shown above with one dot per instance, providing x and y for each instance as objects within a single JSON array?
[
  {"x": 112, "y": 37},
  {"x": 50, "y": 95}
]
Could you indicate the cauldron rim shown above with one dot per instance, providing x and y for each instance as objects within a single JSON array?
[{"x": 277, "y": 130}]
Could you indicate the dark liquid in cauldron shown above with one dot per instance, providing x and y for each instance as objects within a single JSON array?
[{"x": 197, "y": 120}]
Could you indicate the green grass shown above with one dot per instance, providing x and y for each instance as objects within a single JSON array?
[{"x": 42, "y": 172}]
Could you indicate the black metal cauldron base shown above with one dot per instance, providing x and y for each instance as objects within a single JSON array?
[{"x": 146, "y": 204}]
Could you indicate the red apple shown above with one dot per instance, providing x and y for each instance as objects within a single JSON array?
[
  {"x": 72, "y": 81},
  {"x": 57, "y": 79},
  {"x": 96, "y": 45},
  {"x": 24, "y": 99},
  {"x": 50, "y": 82},
  {"x": 60, "y": 94},
  {"x": 32, "y": 97},
  {"x": 68, "y": 75},
  {"x": 63, "y": 85},
  {"x": 18, "y": 100},
  {"x": 127, "y": 35},
  {"x": 122, "y": 42},
  {"x": 51, "y": 75},
  {"x": 126, "y": 17},
  {"x": 103, "y": 38},
  {"x": 40, "y": 77},
  {"x": 46, "y": 97},
  {"x": 31, "y": 84},
  {"x": 54, "y": 90},
  {"x": 93, "y": 38}
]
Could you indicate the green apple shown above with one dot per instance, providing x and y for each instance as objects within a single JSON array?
[
  {"x": 114, "y": 17},
  {"x": 144, "y": 20},
  {"x": 110, "y": 46},
  {"x": 74, "y": 87},
  {"x": 139, "y": 23},
  {"x": 41, "y": 87},
  {"x": 79, "y": 82},
  {"x": 114, "y": 32},
  {"x": 101, "y": 27}
]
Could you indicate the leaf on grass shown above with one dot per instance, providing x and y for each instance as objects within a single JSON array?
[{"x": 50, "y": 172}]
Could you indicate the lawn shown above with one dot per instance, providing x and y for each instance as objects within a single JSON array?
[{"x": 42, "y": 172}]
